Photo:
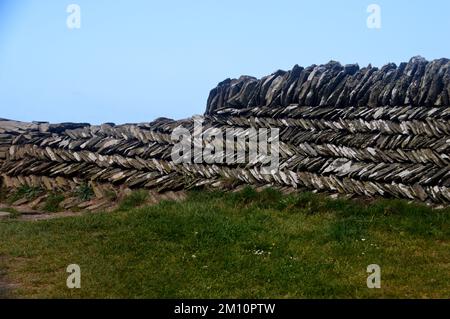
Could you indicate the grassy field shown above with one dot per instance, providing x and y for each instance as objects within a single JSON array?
[{"x": 235, "y": 245}]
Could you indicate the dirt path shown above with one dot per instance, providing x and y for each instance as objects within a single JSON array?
[{"x": 5, "y": 285}]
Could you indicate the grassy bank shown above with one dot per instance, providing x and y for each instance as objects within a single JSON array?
[{"x": 246, "y": 245}]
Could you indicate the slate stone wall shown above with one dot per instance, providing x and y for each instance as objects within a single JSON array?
[{"x": 375, "y": 132}]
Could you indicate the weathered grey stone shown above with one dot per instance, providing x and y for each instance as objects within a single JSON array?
[
  {"x": 4, "y": 215},
  {"x": 368, "y": 131}
]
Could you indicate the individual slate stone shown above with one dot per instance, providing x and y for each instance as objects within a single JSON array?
[{"x": 5, "y": 215}]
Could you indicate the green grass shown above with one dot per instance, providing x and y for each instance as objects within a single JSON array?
[
  {"x": 3, "y": 192},
  {"x": 52, "y": 202},
  {"x": 235, "y": 245}
]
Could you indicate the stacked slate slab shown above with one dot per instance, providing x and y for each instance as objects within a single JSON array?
[
  {"x": 416, "y": 83},
  {"x": 345, "y": 129}
]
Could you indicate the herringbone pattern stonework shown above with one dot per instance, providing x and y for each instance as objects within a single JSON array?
[{"x": 376, "y": 132}]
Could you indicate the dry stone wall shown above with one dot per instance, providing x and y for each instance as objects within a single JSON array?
[{"x": 375, "y": 132}]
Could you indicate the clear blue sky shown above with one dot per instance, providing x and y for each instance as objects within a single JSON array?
[{"x": 135, "y": 60}]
